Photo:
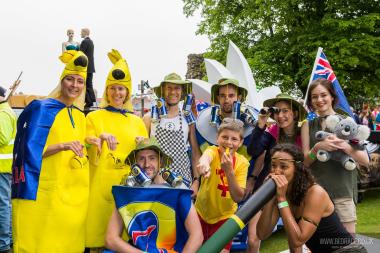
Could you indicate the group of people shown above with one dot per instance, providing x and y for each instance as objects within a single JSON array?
[
  {"x": 368, "y": 117},
  {"x": 320, "y": 206},
  {"x": 64, "y": 164}
]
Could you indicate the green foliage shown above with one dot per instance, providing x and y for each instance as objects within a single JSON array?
[{"x": 280, "y": 39}]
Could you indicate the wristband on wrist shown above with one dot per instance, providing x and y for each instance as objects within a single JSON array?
[
  {"x": 283, "y": 204},
  {"x": 312, "y": 155},
  {"x": 195, "y": 178}
]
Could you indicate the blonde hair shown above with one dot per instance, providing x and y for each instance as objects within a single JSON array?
[
  {"x": 234, "y": 125},
  {"x": 86, "y": 31}
]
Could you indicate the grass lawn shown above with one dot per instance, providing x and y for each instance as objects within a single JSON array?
[
  {"x": 277, "y": 242},
  {"x": 368, "y": 212}
]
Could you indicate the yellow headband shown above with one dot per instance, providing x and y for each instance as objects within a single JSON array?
[{"x": 119, "y": 75}]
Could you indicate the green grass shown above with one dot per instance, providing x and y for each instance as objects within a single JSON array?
[
  {"x": 277, "y": 242},
  {"x": 369, "y": 215},
  {"x": 368, "y": 212}
]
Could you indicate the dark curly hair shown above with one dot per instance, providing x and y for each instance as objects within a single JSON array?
[{"x": 302, "y": 179}]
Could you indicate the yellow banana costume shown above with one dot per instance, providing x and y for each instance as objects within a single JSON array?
[
  {"x": 108, "y": 168},
  {"x": 76, "y": 64},
  {"x": 119, "y": 74},
  {"x": 52, "y": 219}
]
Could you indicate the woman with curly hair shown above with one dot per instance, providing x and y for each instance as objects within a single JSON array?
[
  {"x": 304, "y": 206},
  {"x": 286, "y": 130}
]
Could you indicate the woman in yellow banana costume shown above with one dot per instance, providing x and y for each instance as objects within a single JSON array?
[
  {"x": 50, "y": 183},
  {"x": 111, "y": 132}
]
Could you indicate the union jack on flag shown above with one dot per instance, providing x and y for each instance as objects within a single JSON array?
[{"x": 323, "y": 69}]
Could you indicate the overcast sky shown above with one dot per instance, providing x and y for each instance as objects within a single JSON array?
[{"x": 154, "y": 36}]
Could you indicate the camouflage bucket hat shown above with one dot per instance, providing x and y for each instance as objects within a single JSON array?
[
  {"x": 175, "y": 79},
  {"x": 224, "y": 81},
  {"x": 149, "y": 143}
]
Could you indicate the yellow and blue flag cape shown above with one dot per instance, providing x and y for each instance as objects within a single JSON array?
[
  {"x": 33, "y": 128},
  {"x": 154, "y": 217}
]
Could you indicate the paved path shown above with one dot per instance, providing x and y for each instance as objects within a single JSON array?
[{"x": 371, "y": 244}]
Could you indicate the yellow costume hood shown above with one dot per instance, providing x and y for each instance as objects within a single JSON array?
[
  {"x": 76, "y": 64},
  {"x": 120, "y": 75}
]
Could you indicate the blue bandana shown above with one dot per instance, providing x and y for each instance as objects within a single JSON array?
[{"x": 113, "y": 109}]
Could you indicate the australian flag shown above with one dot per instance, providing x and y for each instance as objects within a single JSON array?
[
  {"x": 323, "y": 69},
  {"x": 154, "y": 217},
  {"x": 201, "y": 105}
]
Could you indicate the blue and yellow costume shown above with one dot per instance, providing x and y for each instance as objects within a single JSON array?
[
  {"x": 154, "y": 217},
  {"x": 50, "y": 194},
  {"x": 108, "y": 169}
]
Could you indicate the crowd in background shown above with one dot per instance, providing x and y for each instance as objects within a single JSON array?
[{"x": 369, "y": 115}]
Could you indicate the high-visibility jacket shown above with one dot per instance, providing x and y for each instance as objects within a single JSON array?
[{"x": 7, "y": 137}]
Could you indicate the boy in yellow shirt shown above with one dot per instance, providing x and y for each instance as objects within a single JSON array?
[{"x": 224, "y": 178}]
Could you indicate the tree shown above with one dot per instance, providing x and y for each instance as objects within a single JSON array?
[{"x": 280, "y": 39}]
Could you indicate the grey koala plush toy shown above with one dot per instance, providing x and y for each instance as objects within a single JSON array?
[{"x": 345, "y": 129}]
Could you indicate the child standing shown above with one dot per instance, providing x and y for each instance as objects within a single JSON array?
[{"x": 224, "y": 178}]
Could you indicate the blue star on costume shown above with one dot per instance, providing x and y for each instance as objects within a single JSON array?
[{"x": 33, "y": 128}]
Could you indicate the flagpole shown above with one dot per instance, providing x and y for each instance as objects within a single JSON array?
[{"x": 312, "y": 73}]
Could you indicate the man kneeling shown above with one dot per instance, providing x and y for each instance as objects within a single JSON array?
[{"x": 158, "y": 235}]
